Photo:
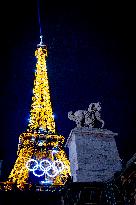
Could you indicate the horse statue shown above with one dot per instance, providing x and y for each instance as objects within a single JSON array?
[{"x": 88, "y": 118}]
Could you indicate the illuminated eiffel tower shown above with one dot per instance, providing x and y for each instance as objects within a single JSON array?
[{"x": 41, "y": 158}]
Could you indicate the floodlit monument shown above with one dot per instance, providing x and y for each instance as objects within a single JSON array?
[{"x": 93, "y": 152}]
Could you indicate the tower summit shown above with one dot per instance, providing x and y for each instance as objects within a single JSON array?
[
  {"x": 41, "y": 116},
  {"x": 41, "y": 159}
]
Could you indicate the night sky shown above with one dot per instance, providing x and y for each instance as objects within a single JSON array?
[{"x": 91, "y": 58}]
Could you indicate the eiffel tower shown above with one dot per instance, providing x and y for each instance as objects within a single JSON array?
[{"x": 41, "y": 158}]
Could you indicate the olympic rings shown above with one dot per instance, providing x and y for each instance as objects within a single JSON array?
[
  {"x": 51, "y": 169},
  {"x": 32, "y": 161},
  {"x": 38, "y": 169}
]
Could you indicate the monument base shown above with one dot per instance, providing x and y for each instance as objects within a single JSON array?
[{"x": 93, "y": 155}]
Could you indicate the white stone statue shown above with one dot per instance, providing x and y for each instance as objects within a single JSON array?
[
  {"x": 88, "y": 118},
  {"x": 78, "y": 117}
]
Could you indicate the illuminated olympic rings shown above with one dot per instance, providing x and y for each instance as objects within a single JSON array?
[{"x": 51, "y": 169}]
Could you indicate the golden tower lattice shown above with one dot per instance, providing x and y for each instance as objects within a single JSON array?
[{"x": 40, "y": 152}]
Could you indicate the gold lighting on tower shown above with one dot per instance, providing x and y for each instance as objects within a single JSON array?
[
  {"x": 41, "y": 109},
  {"x": 40, "y": 152}
]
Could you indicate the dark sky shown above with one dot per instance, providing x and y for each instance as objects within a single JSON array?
[{"x": 91, "y": 58}]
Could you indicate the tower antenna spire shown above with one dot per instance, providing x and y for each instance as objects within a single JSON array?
[{"x": 39, "y": 21}]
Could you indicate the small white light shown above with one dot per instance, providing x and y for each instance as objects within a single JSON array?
[
  {"x": 53, "y": 116},
  {"x": 40, "y": 143},
  {"x": 46, "y": 182}
]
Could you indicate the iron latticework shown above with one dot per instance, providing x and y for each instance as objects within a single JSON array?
[{"x": 41, "y": 158}]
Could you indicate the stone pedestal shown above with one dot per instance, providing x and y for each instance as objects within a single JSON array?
[{"x": 93, "y": 155}]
